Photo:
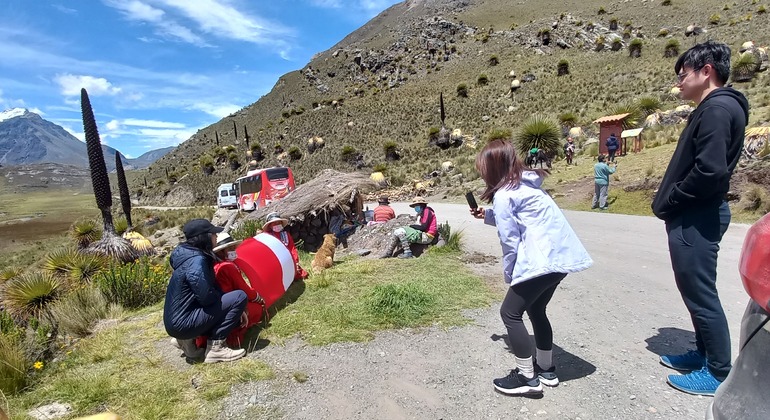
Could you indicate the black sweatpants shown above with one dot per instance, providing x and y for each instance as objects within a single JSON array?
[
  {"x": 693, "y": 242},
  {"x": 215, "y": 321},
  {"x": 531, "y": 296}
]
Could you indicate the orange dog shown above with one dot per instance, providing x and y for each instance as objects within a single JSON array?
[{"x": 324, "y": 258}]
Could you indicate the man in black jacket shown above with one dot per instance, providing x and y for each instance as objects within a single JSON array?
[{"x": 690, "y": 200}]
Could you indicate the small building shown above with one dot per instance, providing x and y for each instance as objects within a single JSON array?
[{"x": 608, "y": 125}]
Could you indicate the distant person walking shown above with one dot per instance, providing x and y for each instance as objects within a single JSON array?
[
  {"x": 602, "y": 173},
  {"x": 612, "y": 147},
  {"x": 533, "y": 263},
  {"x": 569, "y": 150},
  {"x": 691, "y": 200}
]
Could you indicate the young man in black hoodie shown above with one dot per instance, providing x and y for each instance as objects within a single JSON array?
[{"x": 691, "y": 200}]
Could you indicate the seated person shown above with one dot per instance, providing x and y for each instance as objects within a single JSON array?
[
  {"x": 195, "y": 305},
  {"x": 383, "y": 212},
  {"x": 229, "y": 278},
  {"x": 274, "y": 226},
  {"x": 423, "y": 232}
]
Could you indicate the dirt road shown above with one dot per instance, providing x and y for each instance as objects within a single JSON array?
[{"x": 610, "y": 324}]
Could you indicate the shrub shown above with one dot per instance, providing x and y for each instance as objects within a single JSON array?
[
  {"x": 500, "y": 134},
  {"x": 452, "y": 240},
  {"x": 295, "y": 153},
  {"x": 9, "y": 273},
  {"x": 400, "y": 304},
  {"x": 562, "y": 69},
  {"x": 614, "y": 24},
  {"x": 634, "y": 117},
  {"x": 30, "y": 295},
  {"x": 756, "y": 199},
  {"x": 744, "y": 67},
  {"x": 648, "y": 104},
  {"x": 672, "y": 49},
  {"x": 538, "y": 131},
  {"x": 663, "y": 33},
  {"x": 493, "y": 60},
  {"x": 617, "y": 44},
  {"x": 666, "y": 3},
  {"x": 568, "y": 119},
  {"x": 348, "y": 153},
  {"x": 714, "y": 19},
  {"x": 482, "y": 79},
  {"x": 761, "y": 10},
  {"x": 246, "y": 229},
  {"x": 380, "y": 167},
  {"x": 462, "y": 90},
  {"x": 635, "y": 48},
  {"x": 13, "y": 365},
  {"x": 78, "y": 311},
  {"x": 601, "y": 11},
  {"x": 134, "y": 284},
  {"x": 84, "y": 232}
]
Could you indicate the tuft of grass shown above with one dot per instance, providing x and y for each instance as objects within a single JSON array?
[
  {"x": 340, "y": 304},
  {"x": 77, "y": 312},
  {"x": 755, "y": 199},
  {"x": 246, "y": 229},
  {"x": 538, "y": 131},
  {"x": 13, "y": 365},
  {"x": 84, "y": 232},
  {"x": 31, "y": 294},
  {"x": 400, "y": 304},
  {"x": 300, "y": 377},
  {"x": 60, "y": 261}
]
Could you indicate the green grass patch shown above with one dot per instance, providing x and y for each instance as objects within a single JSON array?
[
  {"x": 355, "y": 298},
  {"x": 635, "y": 202},
  {"x": 122, "y": 370}
]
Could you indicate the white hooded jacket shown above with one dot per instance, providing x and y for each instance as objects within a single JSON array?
[{"x": 535, "y": 236}]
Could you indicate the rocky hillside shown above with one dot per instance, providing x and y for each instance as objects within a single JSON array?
[{"x": 377, "y": 90}]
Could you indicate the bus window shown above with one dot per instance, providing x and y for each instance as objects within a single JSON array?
[
  {"x": 251, "y": 185},
  {"x": 232, "y": 193},
  {"x": 277, "y": 173}
]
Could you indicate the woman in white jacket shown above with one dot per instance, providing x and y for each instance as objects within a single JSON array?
[{"x": 539, "y": 249}]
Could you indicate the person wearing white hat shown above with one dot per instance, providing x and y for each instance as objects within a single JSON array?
[
  {"x": 422, "y": 232},
  {"x": 274, "y": 225}
]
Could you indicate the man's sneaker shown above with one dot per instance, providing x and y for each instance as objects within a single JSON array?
[
  {"x": 547, "y": 376},
  {"x": 698, "y": 382},
  {"x": 188, "y": 347},
  {"x": 406, "y": 255},
  {"x": 517, "y": 384},
  {"x": 692, "y": 360}
]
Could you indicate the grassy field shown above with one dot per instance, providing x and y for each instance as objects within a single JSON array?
[{"x": 127, "y": 369}]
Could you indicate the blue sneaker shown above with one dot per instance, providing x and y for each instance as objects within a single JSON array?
[
  {"x": 698, "y": 382},
  {"x": 688, "y": 362}
]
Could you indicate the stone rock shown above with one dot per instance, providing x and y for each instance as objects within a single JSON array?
[
  {"x": 51, "y": 411},
  {"x": 562, "y": 44},
  {"x": 485, "y": 118}
]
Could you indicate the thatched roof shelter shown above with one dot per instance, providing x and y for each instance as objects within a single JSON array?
[{"x": 330, "y": 190}]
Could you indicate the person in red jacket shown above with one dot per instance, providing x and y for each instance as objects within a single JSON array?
[
  {"x": 422, "y": 232},
  {"x": 229, "y": 277},
  {"x": 274, "y": 225}
]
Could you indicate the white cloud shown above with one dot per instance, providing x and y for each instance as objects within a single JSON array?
[
  {"x": 78, "y": 134},
  {"x": 216, "y": 110},
  {"x": 331, "y": 4},
  {"x": 37, "y": 111},
  {"x": 164, "y": 25},
  {"x": 96, "y": 86},
  {"x": 152, "y": 123},
  {"x": 112, "y": 125},
  {"x": 65, "y": 9}
]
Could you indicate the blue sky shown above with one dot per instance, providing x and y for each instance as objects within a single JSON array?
[{"x": 158, "y": 70}]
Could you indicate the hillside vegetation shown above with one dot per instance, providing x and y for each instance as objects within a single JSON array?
[{"x": 379, "y": 88}]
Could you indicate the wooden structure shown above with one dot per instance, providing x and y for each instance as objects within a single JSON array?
[
  {"x": 635, "y": 135},
  {"x": 608, "y": 125}
]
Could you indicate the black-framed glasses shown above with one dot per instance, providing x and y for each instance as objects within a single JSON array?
[{"x": 681, "y": 76}]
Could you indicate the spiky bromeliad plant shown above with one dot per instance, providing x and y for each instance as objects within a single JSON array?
[
  {"x": 633, "y": 111},
  {"x": 85, "y": 232},
  {"x": 30, "y": 295},
  {"x": 538, "y": 131},
  {"x": 744, "y": 68},
  {"x": 111, "y": 244},
  {"x": 635, "y": 48}
]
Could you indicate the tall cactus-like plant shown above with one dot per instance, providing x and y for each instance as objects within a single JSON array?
[
  {"x": 246, "y": 136},
  {"x": 111, "y": 244},
  {"x": 235, "y": 131},
  {"x": 125, "y": 197}
]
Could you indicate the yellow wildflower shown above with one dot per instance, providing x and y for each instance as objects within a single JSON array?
[{"x": 38, "y": 365}]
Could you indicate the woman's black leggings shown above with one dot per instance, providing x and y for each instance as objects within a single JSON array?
[{"x": 531, "y": 296}]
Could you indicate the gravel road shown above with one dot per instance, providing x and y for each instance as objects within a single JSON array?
[{"x": 610, "y": 324}]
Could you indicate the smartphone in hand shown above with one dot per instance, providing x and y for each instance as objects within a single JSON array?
[{"x": 471, "y": 200}]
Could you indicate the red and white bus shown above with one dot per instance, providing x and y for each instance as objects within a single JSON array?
[{"x": 261, "y": 187}]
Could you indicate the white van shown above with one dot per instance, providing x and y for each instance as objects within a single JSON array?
[{"x": 226, "y": 196}]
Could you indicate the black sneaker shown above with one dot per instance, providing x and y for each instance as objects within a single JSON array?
[
  {"x": 547, "y": 376},
  {"x": 517, "y": 384}
]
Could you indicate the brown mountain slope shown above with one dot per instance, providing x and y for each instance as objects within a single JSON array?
[{"x": 381, "y": 84}]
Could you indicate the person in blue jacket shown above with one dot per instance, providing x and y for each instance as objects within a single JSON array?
[
  {"x": 539, "y": 249},
  {"x": 195, "y": 305},
  {"x": 612, "y": 147}
]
